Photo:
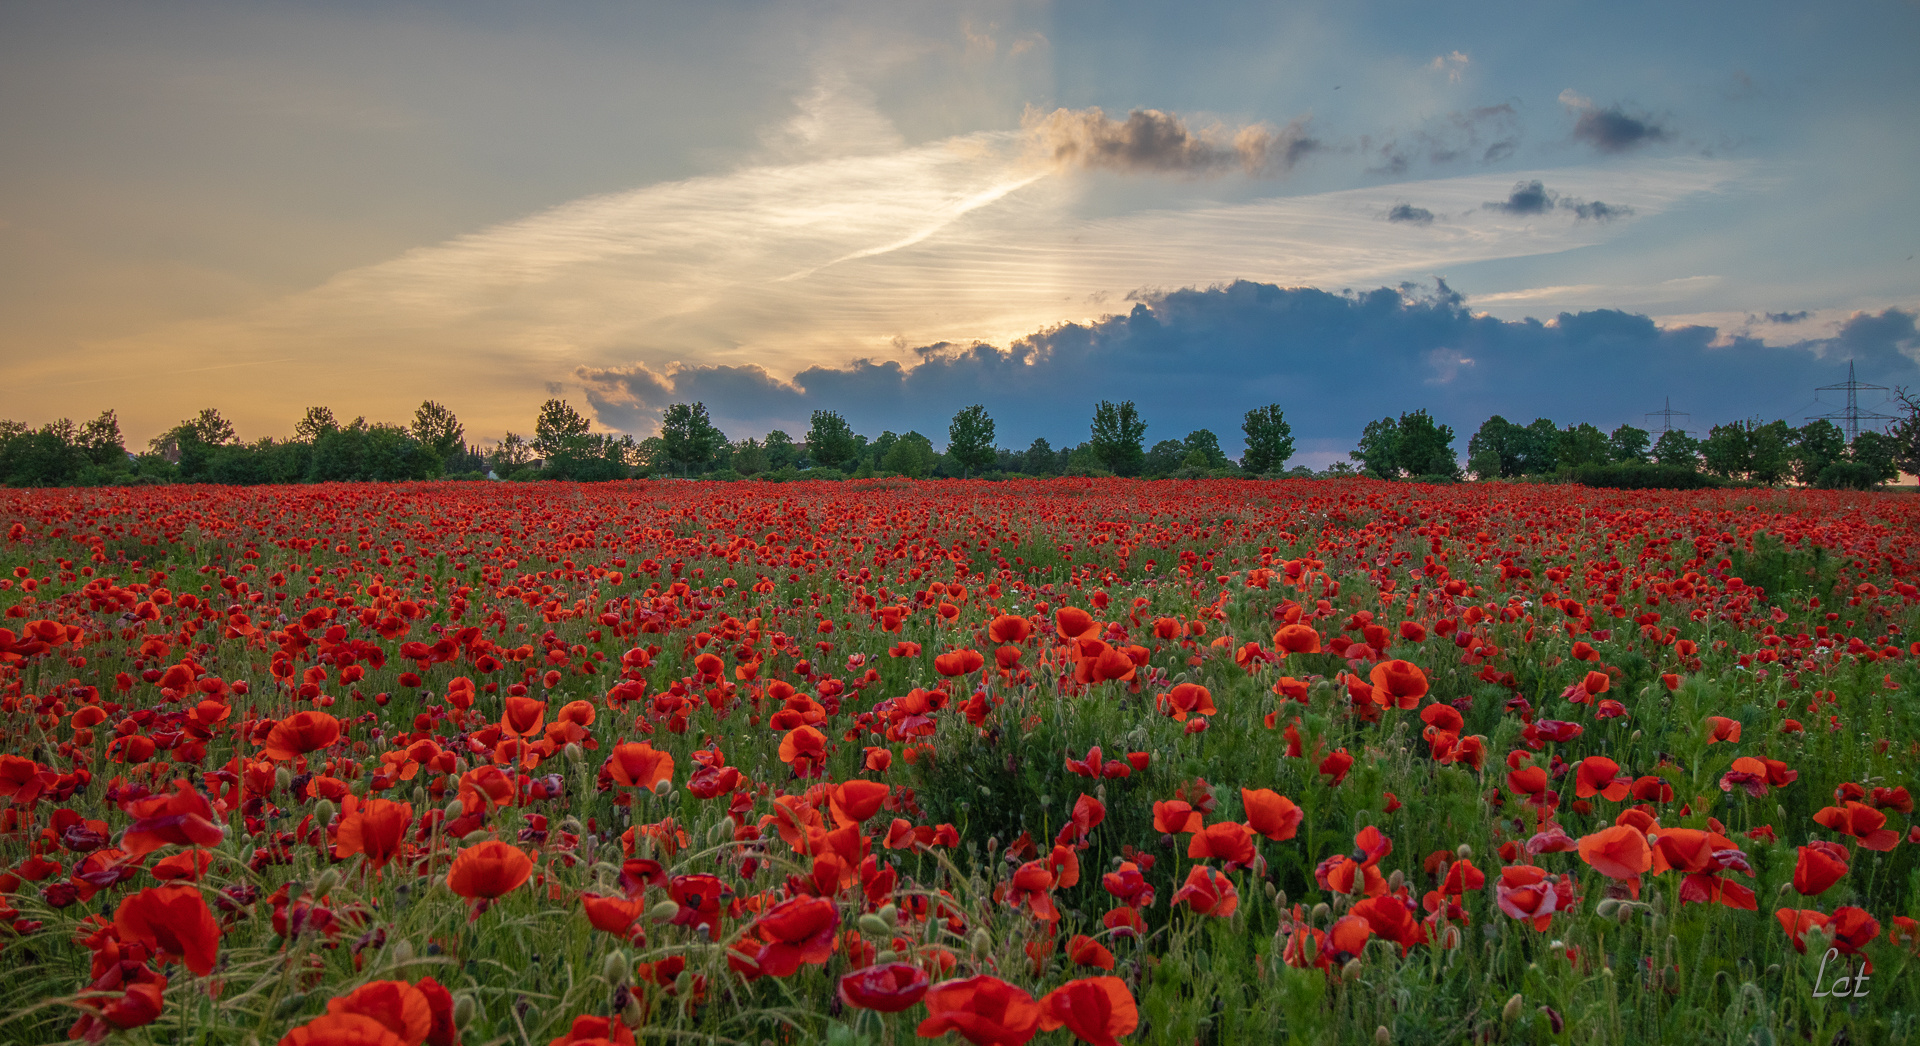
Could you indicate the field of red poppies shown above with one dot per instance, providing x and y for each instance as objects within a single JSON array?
[{"x": 1077, "y": 760}]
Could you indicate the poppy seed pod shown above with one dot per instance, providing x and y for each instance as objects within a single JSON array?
[
  {"x": 615, "y": 968},
  {"x": 874, "y": 926},
  {"x": 982, "y": 943}
]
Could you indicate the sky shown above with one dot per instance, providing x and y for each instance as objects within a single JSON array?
[{"x": 893, "y": 210}]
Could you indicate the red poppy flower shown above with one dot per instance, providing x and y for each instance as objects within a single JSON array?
[
  {"x": 1009, "y": 628},
  {"x": 1095, "y": 1009},
  {"x": 139, "y": 1002},
  {"x": 1085, "y": 951},
  {"x": 1072, "y": 622},
  {"x": 1297, "y": 639},
  {"x": 1862, "y": 822},
  {"x": 1620, "y": 852},
  {"x": 342, "y": 1029},
  {"x": 300, "y": 733},
  {"x": 398, "y": 1006},
  {"x": 639, "y": 765},
  {"x": 1821, "y": 865},
  {"x": 491, "y": 869},
  {"x": 958, "y": 662},
  {"x": 984, "y": 1009},
  {"x": 174, "y": 922},
  {"x": 1208, "y": 892},
  {"x": 374, "y": 827},
  {"x": 1271, "y": 814},
  {"x": 184, "y": 818},
  {"x": 797, "y": 931},
  {"x": 1598, "y": 775},
  {"x": 1227, "y": 841},
  {"x": 887, "y": 987},
  {"x": 1398, "y": 684}
]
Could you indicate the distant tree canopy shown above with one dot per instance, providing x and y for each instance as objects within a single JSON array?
[
  {"x": 1411, "y": 446},
  {"x": 563, "y": 445}
]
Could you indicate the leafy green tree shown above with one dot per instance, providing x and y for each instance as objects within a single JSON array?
[
  {"x": 1904, "y": 433},
  {"x": 1269, "y": 439},
  {"x": 781, "y": 450},
  {"x": 514, "y": 452},
  {"x": 1207, "y": 445},
  {"x": 911, "y": 455},
  {"x": 688, "y": 437},
  {"x": 1118, "y": 437},
  {"x": 560, "y": 430},
  {"x": 1163, "y": 457},
  {"x": 1675, "y": 447},
  {"x": 1581, "y": 444},
  {"x": 1540, "y": 448},
  {"x": 749, "y": 457},
  {"x": 1041, "y": 459},
  {"x": 1379, "y": 449},
  {"x": 100, "y": 441},
  {"x": 1726, "y": 451},
  {"x": 1876, "y": 452},
  {"x": 830, "y": 441},
  {"x": 1818, "y": 444},
  {"x": 438, "y": 430},
  {"x": 1627, "y": 443},
  {"x": 1497, "y": 449},
  {"x": 970, "y": 440},
  {"x": 315, "y": 423},
  {"x": 1771, "y": 447},
  {"x": 1425, "y": 447}
]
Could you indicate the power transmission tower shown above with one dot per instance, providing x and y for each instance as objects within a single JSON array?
[
  {"x": 1666, "y": 416},
  {"x": 1851, "y": 413}
]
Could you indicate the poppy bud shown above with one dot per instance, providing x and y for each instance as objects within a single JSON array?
[
  {"x": 246, "y": 855},
  {"x": 718, "y": 834},
  {"x": 1382, "y": 1036},
  {"x": 982, "y": 943},
  {"x": 682, "y": 983},
  {"x": 875, "y": 926},
  {"x": 1280, "y": 899},
  {"x": 614, "y": 968},
  {"x": 1623, "y": 914},
  {"x": 631, "y": 1010},
  {"x": 1464, "y": 852},
  {"x": 663, "y": 911},
  {"x": 1512, "y": 1009},
  {"x": 993, "y": 845},
  {"x": 1636, "y": 735},
  {"x": 401, "y": 952},
  {"x": 325, "y": 884},
  {"x": 454, "y": 809},
  {"x": 1310, "y": 950},
  {"x": 1452, "y": 939},
  {"x": 886, "y": 957},
  {"x": 1773, "y": 969},
  {"x": 295, "y": 890},
  {"x": 465, "y": 1009},
  {"x": 1271, "y": 889},
  {"x": 1351, "y": 971},
  {"x": 290, "y": 1004},
  {"x": 323, "y": 811},
  {"x": 420, "y": 796},
  {"x": 1396, "y": 880},
  {"x": 1605, "y": 909},
  {"x": 1320, "y": 912},
  {"x": 664, "y": 788},
  {"x": 282, "y": 779},
  {"x": 1673, "y": 945}
]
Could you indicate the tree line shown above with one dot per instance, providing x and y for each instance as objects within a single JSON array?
[{"x": 562, "y": 445}]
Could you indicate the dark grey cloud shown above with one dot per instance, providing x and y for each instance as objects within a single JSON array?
[
  {"x": 1151, "y": 141},
  {"x": 1614, "y": 130},
  {"x": 1526, "y": 198},
  {"x": 1594, "y": 210},
  {"x": 1787, "y": 317},
  {"x": 1202, "y": 358},
  {"x": 1406, "y": 212},
  {"x": 1487, "y": 133}
]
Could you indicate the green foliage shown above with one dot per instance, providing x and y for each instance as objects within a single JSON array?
[
  {"x": 910, "y": 455},
  {"x": 560, "y": 430},
  {"x": 689, "y": 439},
  {"x": 1581, "y": 444},
  {"x": 1818, "y": 445},
  {"x": 1628, "y": 443},
  {"x": 1676, "y": 447},
  {"x": 1639, "y": 475},
  {"x": 970, "y": 440},
  {"x": 1118, "y": 437},
  {"x": 1412, "y": 445},
  {"x": 1269, "y": 439},
  {"x": 437, "y": 429},
  {"x": 830, "y": 441},
  {"x": 749, "y": 457}
]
